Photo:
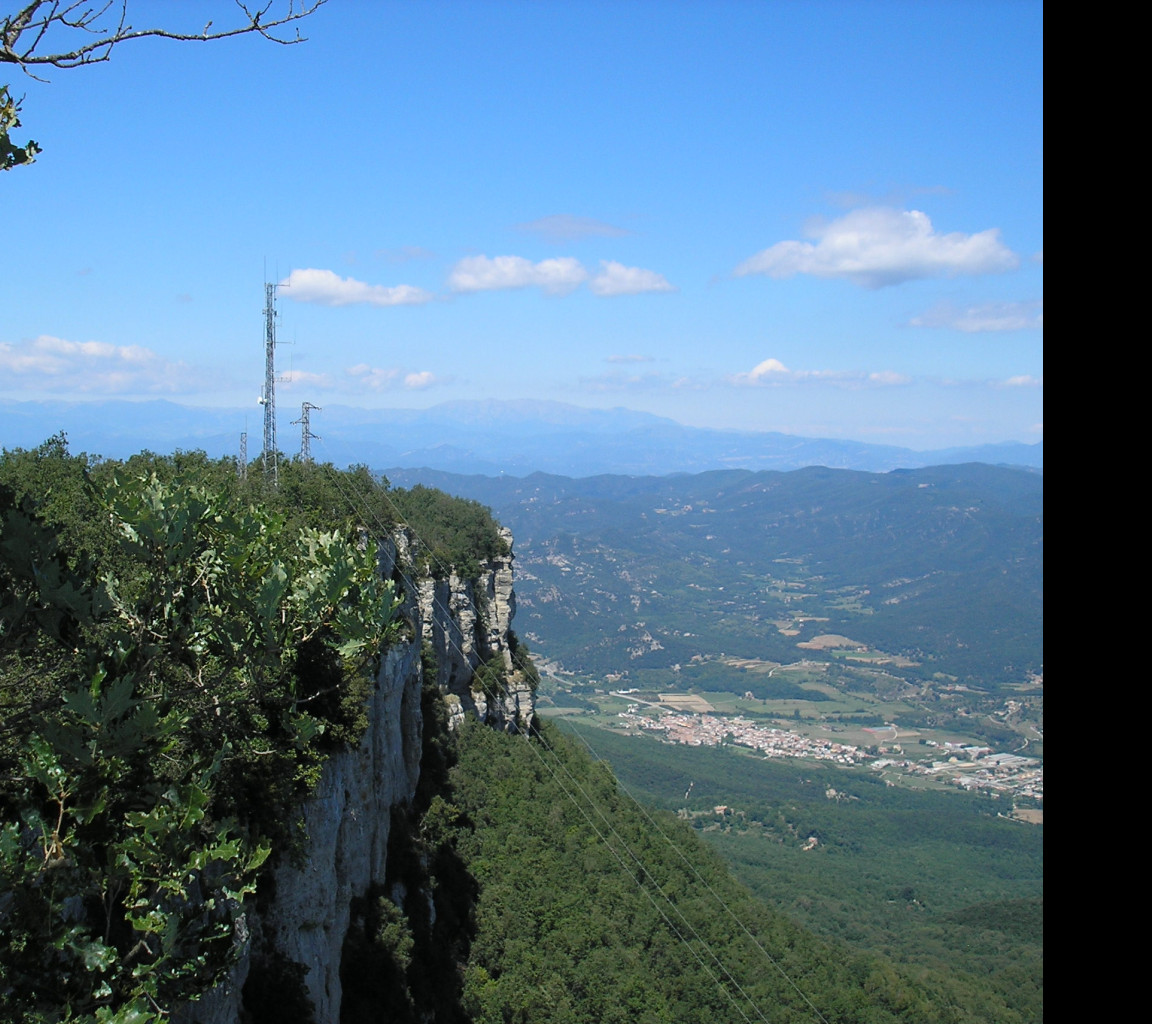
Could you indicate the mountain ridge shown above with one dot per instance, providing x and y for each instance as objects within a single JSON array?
[{"x": 490, "y": 437}]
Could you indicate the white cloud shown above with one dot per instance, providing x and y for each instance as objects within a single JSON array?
[
  {"x": 889, "y": 378},
  {"x": 772, "y": 372},
  {"x": 480, "y": 273},
  {"x": 55, "y": 364},
  {"x": 988, "y": 316},
  {"x": 768, "y": 368},
  {"x": 617, "y": 381},
  {"x": 616, "y": 279},
  {"x": 320, "y": 380},
  {"x": 879, "y": 246},
  {"x": 330, "y": 289},
  {"x": 629, "y": 359},
  {"x": 381, "y": 379},
  {"x": 563, "y": 227},
  {"x": 556, "y": 276},
  {"x": 1023, "y": 380},
  {"x": 421, "y": 380},
  {"x": 373, "y": 376}
]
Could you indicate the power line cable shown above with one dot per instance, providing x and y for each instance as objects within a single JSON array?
[
  {"x": 703, "y": 881},
  {"x": 644, "y": 870},
  {"x": 640, "y": 865},
  {"x": 365, "y": 505},
  {"x": 639, "y": 880}
]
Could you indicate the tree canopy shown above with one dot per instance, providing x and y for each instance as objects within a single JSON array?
[
  {"x": 66, "y": 34},
  {"x": 175, "y": 660}
]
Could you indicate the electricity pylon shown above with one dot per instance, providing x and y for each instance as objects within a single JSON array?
[{"x": 306, "y": 435}]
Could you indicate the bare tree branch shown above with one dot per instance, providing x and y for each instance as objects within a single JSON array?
[{"x": 42, "y": 22}]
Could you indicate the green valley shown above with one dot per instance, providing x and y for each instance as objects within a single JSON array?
[
  {"x": 901, "y": 613},
  {"x": 225, "y": 710}
]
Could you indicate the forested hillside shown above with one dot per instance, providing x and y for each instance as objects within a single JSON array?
[
  {"x": 940, "y": 567},
  {"x": 589, "y": 908},
  {"x": 941, "y": 882},
  {"x": 180, "y": 650},
  {"x": 183, "y": 648}
]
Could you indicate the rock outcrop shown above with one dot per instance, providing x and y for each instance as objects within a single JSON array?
[
  {"x": 348, "y": 817},
  {"x": 467, "y": 623}
]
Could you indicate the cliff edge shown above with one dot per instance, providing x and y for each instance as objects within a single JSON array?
[{"x": 459, "y": 631}]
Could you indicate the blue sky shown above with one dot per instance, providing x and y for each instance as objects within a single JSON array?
[{"x": 819, "y": 218}]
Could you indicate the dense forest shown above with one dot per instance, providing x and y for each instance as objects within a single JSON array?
[
  {"x": 940, "y": 882},
  {"x": 181, "y": 645},
  {"x": 942, "y": 566},
  {"x": 581, "y": 905}
]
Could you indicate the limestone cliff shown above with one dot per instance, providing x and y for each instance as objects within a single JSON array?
[
  {"x": 301, "y": 915},
  {"x": 467, "y": 623}
]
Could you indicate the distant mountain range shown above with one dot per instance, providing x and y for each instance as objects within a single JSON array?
[
  {"x": 493, "y": 438},
  {"x": 941, "y": 565}
]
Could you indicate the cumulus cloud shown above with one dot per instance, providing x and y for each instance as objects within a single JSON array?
[
  {"x": 988, "y": 316},
  {"x": 381, "y": 379},
  {"x": 769, "y": 368},
  {"x": 616, "y": 279},
  {"x": 772, "y": 372},
  {"x": 555, "y": 276},
  {"x": 563, "y": 227},
  {"x": 320, "y": 380},
  {"x": 49, "y": 363},
  {"x": 330, "y": 289},
  {"x": 1023, "y": 380},
  {"x": 421, "y": 380},
  {"x": 481, "y": 273},
  {"x": 879, "y": 246},
  {"x": 374, "y": 377}
]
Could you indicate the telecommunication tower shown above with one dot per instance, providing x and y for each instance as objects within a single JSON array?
[
  {"x": 242, "y": 461},
  {"x": 306, "y": 435},
  {"x": 268, "y": 397}
]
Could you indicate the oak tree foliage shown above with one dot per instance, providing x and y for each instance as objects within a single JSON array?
[{"x": 175, "y": 660}]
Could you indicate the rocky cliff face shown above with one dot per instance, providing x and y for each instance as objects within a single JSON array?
[
  {"x": 467, "y": 623},
  {"x": 304, "y": 922}
]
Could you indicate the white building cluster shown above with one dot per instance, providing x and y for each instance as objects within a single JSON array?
[
  {"x": 969, "y": 767},
  {"x": 712, "y": 730}
]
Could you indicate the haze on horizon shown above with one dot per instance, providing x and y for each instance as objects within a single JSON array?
[{"x": 824, "y": 219}]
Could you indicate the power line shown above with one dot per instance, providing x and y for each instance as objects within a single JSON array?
[
  {"x": 640, "y": 865},
  {"x": 639, "y": 880},
  {"x": 306, "y": 435},
  {"x": 703, "y": 881},
  {"x": 644, "y": 870}
]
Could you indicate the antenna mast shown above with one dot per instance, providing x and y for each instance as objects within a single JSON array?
[
  {"x": 242, "y": 461},
  {"x": 268, "y": 399},
  {"x": 306, "y": 434}
]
